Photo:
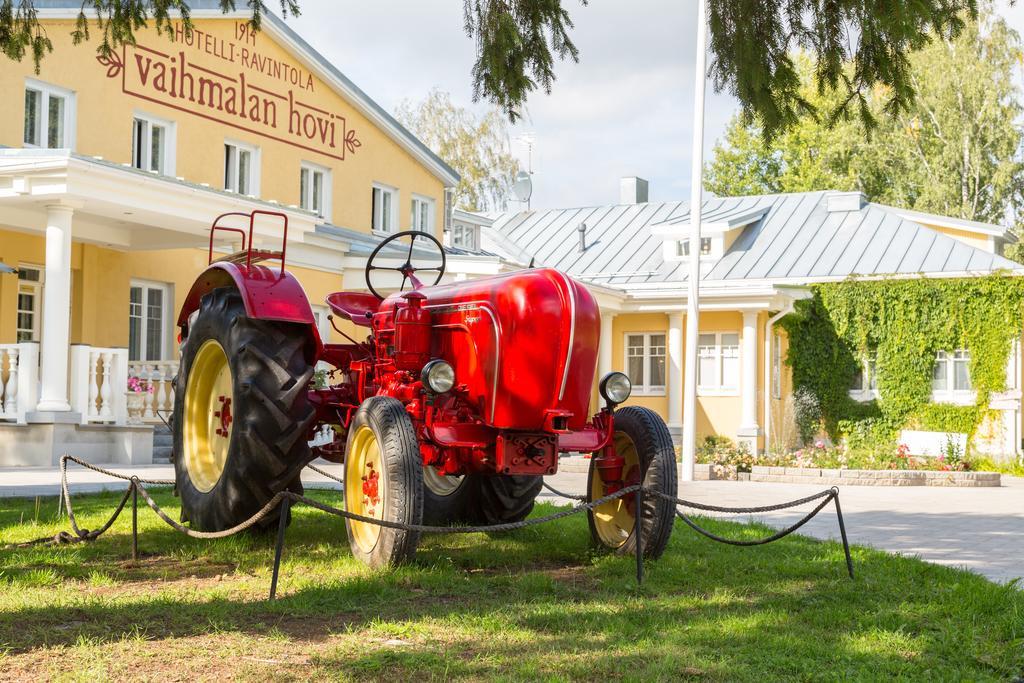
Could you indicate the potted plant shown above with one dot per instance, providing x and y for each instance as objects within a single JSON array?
[{"x": 138, "y": 388}]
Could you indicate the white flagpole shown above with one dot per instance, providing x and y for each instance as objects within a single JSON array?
[{"x": 693, "y": 283}]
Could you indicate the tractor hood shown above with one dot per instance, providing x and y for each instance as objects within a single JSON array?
[{"x": 524, "y": 343}]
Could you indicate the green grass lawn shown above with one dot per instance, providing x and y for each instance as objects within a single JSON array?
[{"x": 534, "y": 604}]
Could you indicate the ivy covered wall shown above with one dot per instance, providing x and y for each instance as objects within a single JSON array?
[{"x": 903, "y": 323}]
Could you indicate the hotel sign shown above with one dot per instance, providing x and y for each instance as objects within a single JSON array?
[{"x": 223, "y": 89}]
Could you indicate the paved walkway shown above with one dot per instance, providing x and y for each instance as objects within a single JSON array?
[{"x": 981, "y": 529}]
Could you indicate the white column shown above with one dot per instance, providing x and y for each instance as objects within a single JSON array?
[
  {"x": 675, "y": 374},
  {"x": 604, "y": 357},
  {"x": 56, "y": 310},
  {"x": 749, "y": 428}
]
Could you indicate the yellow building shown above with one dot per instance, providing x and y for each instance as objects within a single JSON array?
[
  {"x": 111, "y": 171},
  {"x": 758, "y": 255}
]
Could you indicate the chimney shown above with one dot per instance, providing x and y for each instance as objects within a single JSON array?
[
  {"x": 845, "y": 201},
  {"x": 582, "y": 230},
  {"x": 632, "y": 190}
]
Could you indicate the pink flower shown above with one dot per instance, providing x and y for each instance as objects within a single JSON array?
[{"x": 819, "y": 444}]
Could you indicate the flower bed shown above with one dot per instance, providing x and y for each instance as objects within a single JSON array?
[
  {"x": 846, "y": 477},
  {"x": 722, "y": 452}
]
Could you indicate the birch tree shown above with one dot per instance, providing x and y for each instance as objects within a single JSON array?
[{"x": 477, "y": 146}]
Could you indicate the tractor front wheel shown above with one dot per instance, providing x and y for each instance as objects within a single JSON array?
[
  {"x": 240, "y": 413},
  {"x": 383, "y": 480},
  {"x": 643, "y": 441}
]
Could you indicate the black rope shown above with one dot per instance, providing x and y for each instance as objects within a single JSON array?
[
  {"x": 744, "y": 510},
  {"x": 285, "y": 499},
  {"x": 562, "y": 494},
  {"x": 761, "y": 541}
]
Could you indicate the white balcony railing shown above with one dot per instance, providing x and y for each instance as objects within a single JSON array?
[
  {"x": 99, "y": 379},
  {"x": 19, "y": 380},
  {"x": 158, "y": 374}
]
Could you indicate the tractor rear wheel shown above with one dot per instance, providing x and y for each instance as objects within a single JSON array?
[
  {"x": 478, "y": 498},
  {"x": 241, "y": 414},
  {"x": 643, "y": 440},
  {"x": 383, "y": 480},
  {"x": 445, "y": 497}
]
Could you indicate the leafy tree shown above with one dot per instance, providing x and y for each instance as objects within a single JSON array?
[
  {"x": 954, "y": 151},
  {"x": 475, "y": 146},
  {"x": 518, "y": 42}
]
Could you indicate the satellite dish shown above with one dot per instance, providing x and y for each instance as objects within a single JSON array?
[{"x": 522, "y": 188}]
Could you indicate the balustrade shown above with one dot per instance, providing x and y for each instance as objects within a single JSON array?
[
  {"x": 158, "y": 378},
  {"x": 19, "y": 380}
]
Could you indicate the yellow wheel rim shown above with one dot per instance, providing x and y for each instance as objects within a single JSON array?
[
  {"x": 365, "y": 487},
  {"x": 208, "y": 416},
  {"x": 440, "y": 484},
  {"x": 612, "y": 520}
]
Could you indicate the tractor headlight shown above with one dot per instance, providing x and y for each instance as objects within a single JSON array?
[
  {"x": 438, "y": 376},
  {"x": 615, "y": 387}
]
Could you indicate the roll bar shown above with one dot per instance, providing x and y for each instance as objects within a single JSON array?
[{"x": 248, "y": 255}]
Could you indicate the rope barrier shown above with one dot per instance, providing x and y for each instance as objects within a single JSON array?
[{"x": 285, "y": 499}]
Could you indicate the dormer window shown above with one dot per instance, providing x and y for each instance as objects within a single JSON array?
[
  {"x": 716, "y": 236},
  {"x": 683, "y": 247},
  {"x": 464, "y": 236}
]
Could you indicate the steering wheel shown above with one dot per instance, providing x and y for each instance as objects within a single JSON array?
[{"x": 407, "y": 269}]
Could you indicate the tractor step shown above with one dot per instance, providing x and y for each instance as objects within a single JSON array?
[{"x": 163, "y": 444}]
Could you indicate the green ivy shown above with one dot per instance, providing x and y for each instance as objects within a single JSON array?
[
  {"x": 942, "y": 417},
  {"x": 903, "y": 323}
]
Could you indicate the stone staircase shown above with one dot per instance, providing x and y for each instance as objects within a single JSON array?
[{"x": 162, "y": 444}]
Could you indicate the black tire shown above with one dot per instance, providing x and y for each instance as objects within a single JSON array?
[
  {"x": 483, "y": 499},
  {"x": 657, "y": 456},
  {"x": 503, "y": 498},
  {"x": 402, "y": 468},
  {"x": 445, "y": 507},
  {"x": 267, "y": 446}
]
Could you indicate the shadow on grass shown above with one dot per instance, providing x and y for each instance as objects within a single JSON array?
[{"x": 517, "y": 603}]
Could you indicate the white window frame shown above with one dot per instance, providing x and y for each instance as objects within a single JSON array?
[
  {"x": 458, "y": 236},
  {"x": 165, "y": 319},
  {"x": 46, "y": 90},
  {"x": 377, "y": 226},
  {"x": 645, "y": 388},
  {"x": 673, "y": 249},
  {"x": 717, "y": 388},
  {"x": 306, "y": 195},
  {"x": 35, "y": 288},
  {"x": 950, "y": 394},
  {"x": 683, "y": 247},
  {"x": 868, "y": 389},
  {"x": 169, "y": 143},
  {"x": 776, "y": 365},
  {"x": 231, "y": 155},
  {"x": 416, "y": 213}
]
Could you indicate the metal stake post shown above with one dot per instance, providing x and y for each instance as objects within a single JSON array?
[
  {"x": 135, "y": 521},
  {"x": 842, "y": 531},
  {"x": 286, "y": 504},
  {"x": 638, "y": 529}
]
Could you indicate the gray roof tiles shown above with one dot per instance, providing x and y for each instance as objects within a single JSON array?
[{"x": 797, "y": 238}]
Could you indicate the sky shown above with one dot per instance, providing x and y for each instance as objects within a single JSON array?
[{"x": 625, "y": 109}]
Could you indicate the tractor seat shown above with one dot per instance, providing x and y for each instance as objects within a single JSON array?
[{"x": 355, "y": 306}]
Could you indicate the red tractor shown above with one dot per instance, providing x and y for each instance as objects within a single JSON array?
[{"x": 459, "y": 400}]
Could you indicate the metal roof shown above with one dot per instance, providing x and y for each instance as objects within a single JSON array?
[
  {"x": 363, "y": 244},
  {"x": 795, "y": 239}
]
